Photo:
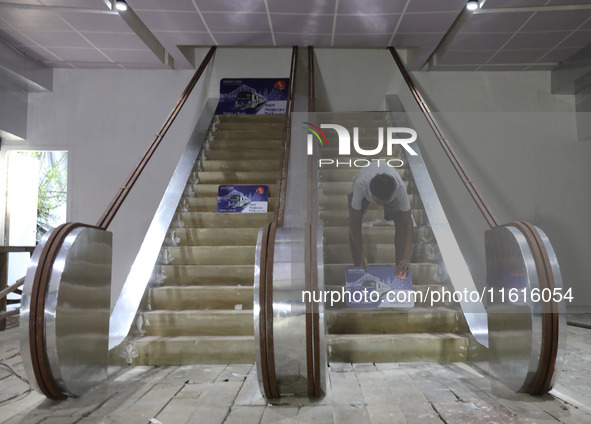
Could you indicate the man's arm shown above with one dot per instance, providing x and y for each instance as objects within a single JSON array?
[
  {"x": 355, "y": 239},
  {"x": 403, "y": 241}
]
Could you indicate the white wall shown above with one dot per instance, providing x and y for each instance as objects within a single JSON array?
[
  {"x": 517, "y": 140},
  {"x": 521, "y": 146},
  {"x": 107, "y": 118},
  {"x": 13, "y": 112}
]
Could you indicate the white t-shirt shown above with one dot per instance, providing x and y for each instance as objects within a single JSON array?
[{"x": 364, "y": 177}]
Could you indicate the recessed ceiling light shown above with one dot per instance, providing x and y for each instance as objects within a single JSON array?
[
  {"x": 472, "y": 5},
  {"x": 121, "y": 5}
]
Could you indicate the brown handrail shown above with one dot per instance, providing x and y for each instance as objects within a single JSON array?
[
  {"x": 117, "y": 201},
  {"x": 542, "y": 379},
  {"x": 475, "y": 193},
  {"x": 279, "y": 211}
]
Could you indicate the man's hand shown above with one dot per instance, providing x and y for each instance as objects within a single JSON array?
[
  {"x": 402, "y": 268},
  {"x": 363, "y": 261}
]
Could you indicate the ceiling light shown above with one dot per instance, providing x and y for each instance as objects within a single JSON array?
[
  {"x": 121, "y": 5},
  {"x": 472, "y": 5}
]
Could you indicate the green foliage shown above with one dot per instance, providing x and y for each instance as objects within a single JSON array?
[{"x": 52, "y": 192}]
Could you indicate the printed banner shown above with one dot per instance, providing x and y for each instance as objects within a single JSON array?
[
  {"x": 243, "y": 198},
  {"x": 378, "y": 287},
  {"x": 253, "y": 96}
]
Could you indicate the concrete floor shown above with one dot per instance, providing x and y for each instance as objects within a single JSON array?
[{"x": 359, "y": 393}]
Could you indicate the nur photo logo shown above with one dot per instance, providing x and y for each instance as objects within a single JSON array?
[{"x": 387, "y": 138}]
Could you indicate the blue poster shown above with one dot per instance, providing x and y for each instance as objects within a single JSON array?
[
  {"x": 243, "y": 198},
  {"x": 253, "y": 96},
  {"x": 378, "y": 287}
]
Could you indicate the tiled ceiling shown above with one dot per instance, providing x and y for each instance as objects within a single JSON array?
[{"x": 503, "y": 35}]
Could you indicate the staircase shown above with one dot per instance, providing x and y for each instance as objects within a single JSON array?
[
  {"x": 426, "y": 332},
  {"x": 199, "y": 307}
]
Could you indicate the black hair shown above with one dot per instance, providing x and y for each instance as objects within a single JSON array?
[{"x": 382, "y": 186}]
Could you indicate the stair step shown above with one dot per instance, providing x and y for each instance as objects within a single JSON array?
[
  {"x": 210, "y": 204},
  {"x": 340, "y": 218},
  {"x": 248, "y": 134},
  {"x": 236, "y": 145},
  {"x": 341, "y": 253},
  {"x": 331, "y": 175},
  {"x": 215, "y": 275},
  {"x": 187, "y": 350},
  {"x": 391, "y": 320},
  {"x": 239, "y": 126},
  {"x": 211, "y": 190},
  {"x": 423, "y": 299},
  {"x": 345, "y": 187},
  {"x": 239, "y": 165},
  {"x": 210, "y": 255},
  {"x": 200, "y": 323},
  {"x": 422, "y": 273},
  {"x": 216, "y": 236},
  {"x": 424, "y": 347},
  {"x": 375, "y": 235},
  {"x": 202, "y": 297},
  {"x": 225, "y": 220},
  {"x": 244, "y": 154},
  {"x": 238, "y": 177},
  {"x": 249, "y": 119},
  {"x": 341, "y": 201}
]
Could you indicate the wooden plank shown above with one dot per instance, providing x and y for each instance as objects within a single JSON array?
[
  {"x": 22, "y": 405},
  {"x": 317, "y": 414},
  {"x": 245, "y": 414},
  {"x": 250, "y": 393},
  {"x": 235, "y": 372},
  {"x": 196, "y": 374},
  {"x": 149, "y": 405},
  {"x": 457, "y": 412},
  {"x": 213, "y": 406},
  {"x": 128, "y": 388},
  {"x": 385, "y": 414},
  {"x": 345, "y": 389},
  {"x": 177, "y": 411},
  {"x": 381, "y": 406},
  {"x": 280, "y": 415},
  {"x": 406, "y": 394}
]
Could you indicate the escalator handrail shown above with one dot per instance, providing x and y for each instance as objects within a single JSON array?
[
  {"x": 549, "y": 352},
  {"x": 470, "y": 185},
  {"x": 117, "y": 201},
  {"x": 266, "y": 344}
]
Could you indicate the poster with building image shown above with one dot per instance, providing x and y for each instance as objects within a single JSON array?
[
  {"x": 243, "y": 198},
  {"x": 253, "y": 96},
  {"x": 378, "y": 287}
]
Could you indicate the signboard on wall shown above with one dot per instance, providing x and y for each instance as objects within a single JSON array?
[{"x": 253, "y": 96}]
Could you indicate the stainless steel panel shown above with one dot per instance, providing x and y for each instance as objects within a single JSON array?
[
  {"x": 322, "y": 336},
  {"x": 515, "y": 327},
  {"x": 256, "y": 308},
  {"x": 562, "y": 331},
  {"x": 141, "y": 270},
  {"x": 25, "y": 311},
  {"x": 76, "y": 331},
  {"x": 76, "y": 314},
  {"x": 289, "y": 312},
  {"x": 455, "y": 264}
]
